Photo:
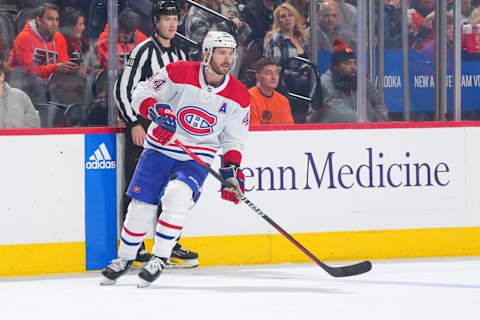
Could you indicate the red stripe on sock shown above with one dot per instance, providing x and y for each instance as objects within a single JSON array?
[
  {"x": 132, "y": 233},
  {"x": 168, "y": 225}
]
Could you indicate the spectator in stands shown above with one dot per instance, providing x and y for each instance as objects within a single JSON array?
[
  {"x": 474, "y": 17},
  {"x": 197, "y": 22},
  {"x": 303, "y": 8},
  {"x": 127, "y": 37},
  {"x": 328, "y": 28},
  {"x": 287, "y": 38},
  {"x": 39, "y": 49},
  {"x": 97, "y": 16},
  {"x": 420, "y": 29},
  {"x": 422, "y": 8},
  {"x": 285, "y": 41},
  {"x": 16, "y": 108},
  {"x": 420, "y": 19},
  {"x": 142, "y": 8},
  {"x": 348, "y": 16},
  {"x": 229, "y": 9},
  {"x": 72, "y": 26},
  {"x": 339, "y": 89},
  {"x": 467, "y": 9},
  {"x": 392, "y": 15},
  {"x": 3, "y": 46},
  {"x": 258, "y": 14},
  {"x": 267, "y": 105},
  {"x": 429, "y": 47}
]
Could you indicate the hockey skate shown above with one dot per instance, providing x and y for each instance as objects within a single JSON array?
[
  {"x": 151, "y": 271},
  {"x": 142, "y": 254},
  {"x": 182, "y": 258},
  {"x": 115, "y": 270}
]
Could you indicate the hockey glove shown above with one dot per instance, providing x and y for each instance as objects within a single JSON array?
[
  {"x": 165, "y": 117},
  {"x": 237, "y": 179}
]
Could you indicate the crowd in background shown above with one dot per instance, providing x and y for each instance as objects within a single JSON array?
[{"x": 56, "y": 54}]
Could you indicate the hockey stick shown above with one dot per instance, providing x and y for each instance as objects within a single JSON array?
[
  {"x": 192, "y": 42},
  {"x": 344, "y": 271}
]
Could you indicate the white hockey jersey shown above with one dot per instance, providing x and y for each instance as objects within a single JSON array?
[{"x": 208, "y": 118}]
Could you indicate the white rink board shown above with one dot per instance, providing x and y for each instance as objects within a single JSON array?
[
  {"x": 43, "y": 185},
  {"x": 472, "y": 162},
  {"x": 339, "y": 209},
  {"x": 42, "y": 189}
]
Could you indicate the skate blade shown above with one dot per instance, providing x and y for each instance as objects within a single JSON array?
[
  {"x": 107, "y": 282},
  {"x": 174, "y": 263},
  {"x": 143, "y": 283}
]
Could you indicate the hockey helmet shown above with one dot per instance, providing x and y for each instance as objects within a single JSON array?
[
  {"x": 164, "y": 8},
  {"x": 218, "y": 39}
]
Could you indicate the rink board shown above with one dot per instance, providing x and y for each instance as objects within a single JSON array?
[
  {"x": 57, "y": 215},
  {"x": 346, "y": 193}
]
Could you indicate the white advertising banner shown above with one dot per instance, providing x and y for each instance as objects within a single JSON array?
[
  {"x": 306, "y": 181},
  {"x": 42, "y": 189},
  {"x": 472, "y": 165},
  {"x": 344, "y": 180}
]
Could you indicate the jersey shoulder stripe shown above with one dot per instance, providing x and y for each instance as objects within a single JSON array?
[
  {"x": 237, "y": 92},
  {"x": 184, "y": 72}
]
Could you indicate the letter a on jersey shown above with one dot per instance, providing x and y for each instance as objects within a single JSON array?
[
  {"x": 158, "y": 84},
  {"x": 223, "y": 108},
  {"x": 196, "y": 121}
]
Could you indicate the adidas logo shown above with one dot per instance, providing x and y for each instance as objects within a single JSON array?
[{"x": 100, "y": 159}]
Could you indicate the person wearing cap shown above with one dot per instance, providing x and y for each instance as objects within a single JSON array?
[{"x": 339, "y": 91}]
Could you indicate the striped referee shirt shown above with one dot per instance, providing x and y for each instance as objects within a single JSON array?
[{"x": 147, "y": 58}]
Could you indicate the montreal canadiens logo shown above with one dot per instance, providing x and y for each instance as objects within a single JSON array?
[{"x": 196, "y": 120}]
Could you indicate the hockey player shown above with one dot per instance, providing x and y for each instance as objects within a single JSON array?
[
  {"x": 146, "y": 59},
  {"x": 212, "y": 109}
]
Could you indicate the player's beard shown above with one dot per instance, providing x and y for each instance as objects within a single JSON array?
[{"x": 217, "y": 68}]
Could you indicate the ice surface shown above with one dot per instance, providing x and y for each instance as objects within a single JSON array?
[{"x": 446, "y": 288}]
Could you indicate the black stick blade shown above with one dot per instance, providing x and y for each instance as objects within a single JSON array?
[{"x": 347, "y": 271}]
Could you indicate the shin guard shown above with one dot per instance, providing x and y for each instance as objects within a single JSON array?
[
  {"x": 137, "y": 223},
  {"x": 176, "y": 202}
]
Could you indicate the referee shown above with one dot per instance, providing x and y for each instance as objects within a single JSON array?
[{"x": 147, "y": 58}]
